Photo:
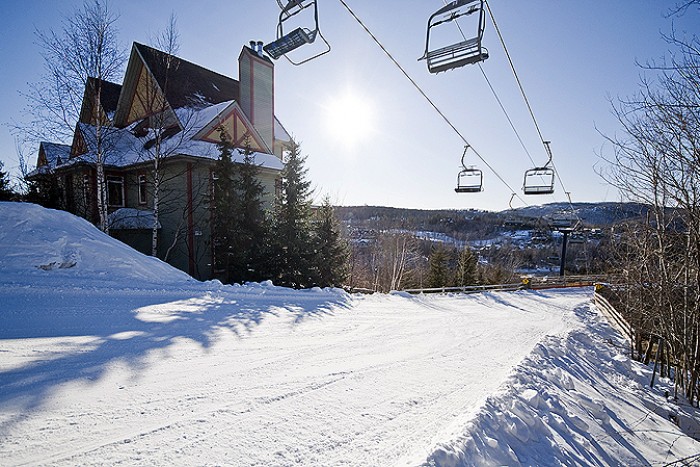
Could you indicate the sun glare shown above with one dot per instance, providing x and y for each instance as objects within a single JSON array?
[{"x": 349, "y": 118}]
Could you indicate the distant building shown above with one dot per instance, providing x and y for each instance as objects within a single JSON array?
[{"x": 190, "y": 107}]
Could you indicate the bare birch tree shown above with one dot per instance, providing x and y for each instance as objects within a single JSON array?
[
  {"x": 77, "y": 59},
  {"x": 161, "y": 121}
]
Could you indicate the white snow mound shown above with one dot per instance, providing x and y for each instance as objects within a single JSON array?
[{"x": 55, "y": 246}]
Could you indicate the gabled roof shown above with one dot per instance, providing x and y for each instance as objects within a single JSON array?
[
  {"x": 187, "y": 83},
  {"x": 52, "y": 154},
  {"x": 281, "y": 133},
  {"x": 238, "y": 128},
  {"x": 195, "y": 100},
  {"x": 109, "y": 97}
]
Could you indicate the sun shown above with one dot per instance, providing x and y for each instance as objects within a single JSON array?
[{"x": 350, "y": 117}]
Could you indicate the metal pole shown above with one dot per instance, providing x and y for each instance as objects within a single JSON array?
[{"x": 563, "y": 252}]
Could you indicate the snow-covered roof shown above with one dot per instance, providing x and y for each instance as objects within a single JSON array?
[
  {"x": 55, "y": 153},
  {"x": 132, "y": 219},
  {"x": 121, "y": 148},
  {"x": 281, "y": 133}
]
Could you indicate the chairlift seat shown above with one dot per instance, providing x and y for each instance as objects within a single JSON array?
[
  {"x": 298, "y": 37},
  {"x": 539, "y": 181},
  {"x": 288, "y": 42},
  {"x": 461, "y": 53},
  {"x": 468, "y": 189},
  {"x": 469, "y": 180},
  {"x": 456, "y": 55},
  {"x": 538, "y": 190},
  {"x": 562, "y": 222}
]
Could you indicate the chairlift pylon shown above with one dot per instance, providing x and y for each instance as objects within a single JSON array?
[
  {"x": 468, "y": 51},
  {"x": 286, "y": 43},
  {"x": 540, "y": 180},
  {"x": 469, "y": 179}
]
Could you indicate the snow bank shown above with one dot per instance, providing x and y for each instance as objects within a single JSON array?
[
  {"x": 576, "y": 400},
  {"x": 50, "y": 247}
]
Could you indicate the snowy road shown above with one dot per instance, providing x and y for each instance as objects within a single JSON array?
[
  {"x": 109, "y": 357},
  {"x": 256, "y": 376}
]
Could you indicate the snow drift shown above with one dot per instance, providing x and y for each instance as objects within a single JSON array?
[{"x": 35, "y": 240}]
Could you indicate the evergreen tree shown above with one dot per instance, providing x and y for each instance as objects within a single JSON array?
[
  {"x": 248, "y": 252},
  {"x": 332, "y": 252},
  {"x": 6, "y": 191},
  {"x": 292, "y": 247},
  {"x": 223, "y": 207},
  {"x": 466, "y": 273},
  {"x": 439, "y": 273},
  {"x": 44, "y": 191}
]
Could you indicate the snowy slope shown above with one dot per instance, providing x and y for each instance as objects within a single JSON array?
[{"x": 110, "y": 357}]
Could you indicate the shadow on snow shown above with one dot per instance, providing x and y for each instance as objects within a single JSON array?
[{"x": 125, "y": 326}]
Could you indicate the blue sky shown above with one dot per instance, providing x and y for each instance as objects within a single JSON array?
[{"x": 572, "y": 57}]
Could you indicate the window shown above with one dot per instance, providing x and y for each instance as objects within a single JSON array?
[
  {"x": 115, "y": 191},
  {"x": 142, "y": 189}
]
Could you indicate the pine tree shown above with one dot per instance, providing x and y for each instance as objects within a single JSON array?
[
  {"x": 247, "y": 257},
  {"x": 6, "y": 191},
  {"x": 466, "y": 273},
  {"x": 44, "y": 191},
  {"x": 332, "y": 252},
  {"x": 223, "y": 207},
  {"x": 439, "y": 273},
  {"x": 292, "y": 247}
]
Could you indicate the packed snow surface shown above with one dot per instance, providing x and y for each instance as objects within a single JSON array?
[{"x": 111, "y": 357}]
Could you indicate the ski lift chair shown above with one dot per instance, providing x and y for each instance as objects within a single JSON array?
[
  {"x": 462, "y": 53},
  {"x": 540, "y": 180},
  {"x": 469, "y": 179},
  {"x": 286, "y": 43}
]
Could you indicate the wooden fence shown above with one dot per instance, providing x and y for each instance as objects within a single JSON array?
[
  {"x": 535, "y": 283},
  {"x": 614, "y": 317}
]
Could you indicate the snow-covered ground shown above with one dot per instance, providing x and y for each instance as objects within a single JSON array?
[{"x": 110, "y": 357}]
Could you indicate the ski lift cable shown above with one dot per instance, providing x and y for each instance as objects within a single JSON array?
[
  {"x": 503, "y": 108},
  {"x": 427, "y": 98},
  {"x": 515, "y": 73},
  {"x": 498, "y": 99},
  {"x": 527, "y": 103},
  {"x": 505, "y": 112}
]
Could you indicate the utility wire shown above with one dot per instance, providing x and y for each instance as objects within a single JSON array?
[
  {"x": 529, "y": 107},
  {"x": 430, "y": 101},
  {"x": 515, "y": 73}
]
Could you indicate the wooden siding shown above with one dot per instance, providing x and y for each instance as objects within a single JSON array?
[
  {"x": 148, "y": 98},
  {"x": 238, "y": 132}
]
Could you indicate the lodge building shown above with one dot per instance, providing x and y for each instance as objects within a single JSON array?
[{"x": 189, "y": 108}]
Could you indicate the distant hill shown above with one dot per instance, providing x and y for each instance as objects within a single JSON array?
[
  {"x": 590, "y": 214},
  {"x": 472, "y": 223}
]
